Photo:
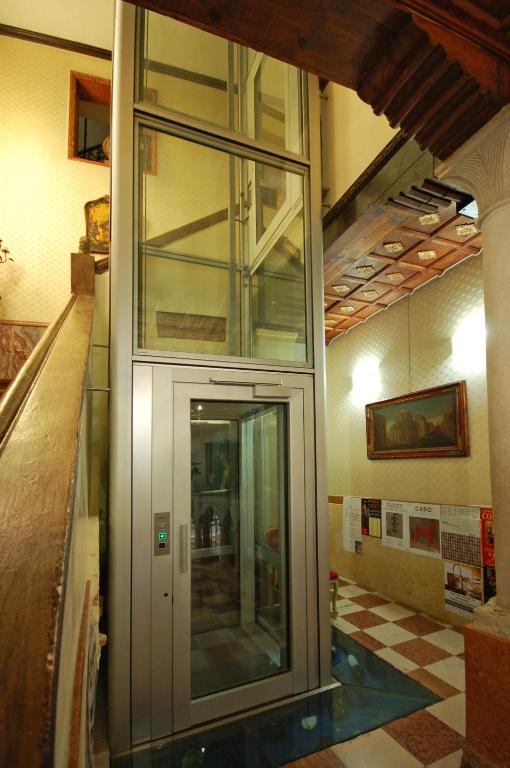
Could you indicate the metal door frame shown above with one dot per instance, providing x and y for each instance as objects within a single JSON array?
[{"x": 161, "y": 702}]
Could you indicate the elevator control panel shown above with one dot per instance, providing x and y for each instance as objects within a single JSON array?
[{"x": 162, "y": 533}]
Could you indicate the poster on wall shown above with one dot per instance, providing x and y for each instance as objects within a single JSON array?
[
  {"x": 462, "y": 588},
  {"x": 371, "y": 517},
  {"x": 395, "y": 524},
  {"x": 488, "y": 560},
  {"x": 352, "y": 524},
  {"x": 461, "y": 534},
  {"x": 424, "y": 527}
]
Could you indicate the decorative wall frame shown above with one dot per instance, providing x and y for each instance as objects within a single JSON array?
[
  {"x": 97, "y": 224},
  {"x": 89, "y": 98},
  {"x": 17, "y": 340},
  {"x": 429, "y": 423}
]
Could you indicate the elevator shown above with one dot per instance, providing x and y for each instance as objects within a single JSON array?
[
  {"x": 218, "y": 591},
  {"x": 224, "y": 558}
]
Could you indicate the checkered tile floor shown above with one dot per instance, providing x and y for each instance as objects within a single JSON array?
[
  {"x": 430, "y": 652},
  {"x": 426, "y": 649}
]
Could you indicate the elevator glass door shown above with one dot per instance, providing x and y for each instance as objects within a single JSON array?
[
  {"x": 238, "y": 538},
  {"x": 239, "y": 627}
]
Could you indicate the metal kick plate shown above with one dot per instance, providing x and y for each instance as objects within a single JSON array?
[{"x": 162, "y": 533}]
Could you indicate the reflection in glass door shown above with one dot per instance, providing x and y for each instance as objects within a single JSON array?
[{"x": 238, "y": 524}]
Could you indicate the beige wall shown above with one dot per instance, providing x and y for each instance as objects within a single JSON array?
[
  {"x": 352, "y": 136},
  {"x": 90, "y": 23},
  {"x": 411, "y": 343},
  {"x": 42, "y": 192}
]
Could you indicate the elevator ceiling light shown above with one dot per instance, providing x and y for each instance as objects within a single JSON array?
[{"x": 209, "y": 421}]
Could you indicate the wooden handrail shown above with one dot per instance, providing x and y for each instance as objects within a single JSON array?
[
  {"x": 18, "y": 390},
  {"x": 38, "y": 464}
]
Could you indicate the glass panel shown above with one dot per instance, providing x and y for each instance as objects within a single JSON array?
[
  {"x": 221, "y": 254},
  {"x": 277, "y": 296},
  {"x": 277, "y": 103},
  {"x": 270, "y": 196},
  {"x": 196, "y": 74},
  {"x": 189, "y": 276},
  {"x": 187, "y": 307},
  {"x": 186, "y": 197},
  {"x": 186, "y": 70},
  {"x": 239, "y": 574}
]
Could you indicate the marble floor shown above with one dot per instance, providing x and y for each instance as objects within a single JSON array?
[
  {"x": 426, "y": 650},
  {"x": 400, "y": 703}
]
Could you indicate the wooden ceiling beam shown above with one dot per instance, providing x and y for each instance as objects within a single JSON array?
[
  {"x": 469, "y": 20},
  {"x": 491, "y": 72},
  {"x": 412, "y": 93}
]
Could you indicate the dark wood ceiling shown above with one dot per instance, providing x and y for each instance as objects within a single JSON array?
[
  {"x": 439, "y": 69},
  {"x": 392, "y": 249}
]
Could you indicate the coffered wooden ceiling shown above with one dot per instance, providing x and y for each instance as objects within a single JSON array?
[
  {"x": 439, "y": 69},
  {"x": 393, "y": 249}
]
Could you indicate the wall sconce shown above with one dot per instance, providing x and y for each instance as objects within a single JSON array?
[
  {"x": 366, "y": 380},
  {"x": 468, "y": 343},
  {"x": 4, "y": 254}
]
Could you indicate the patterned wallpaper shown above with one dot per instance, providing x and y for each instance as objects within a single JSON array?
[
  {"x": 42, "y": 193},
  {"x": 411, "y": 344}
]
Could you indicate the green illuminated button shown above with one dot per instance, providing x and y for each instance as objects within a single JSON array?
[{"x": 162, "y": 535}]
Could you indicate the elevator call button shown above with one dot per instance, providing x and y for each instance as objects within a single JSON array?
[{"x": 161, "y": 528}]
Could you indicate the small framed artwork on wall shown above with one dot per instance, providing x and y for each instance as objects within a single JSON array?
[{"x": 428, "y": 423}]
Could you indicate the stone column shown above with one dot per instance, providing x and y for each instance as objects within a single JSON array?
[{"x": 482, "y": 167}]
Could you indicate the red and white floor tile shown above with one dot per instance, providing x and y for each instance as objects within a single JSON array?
[{"x": 429, "y": 651}]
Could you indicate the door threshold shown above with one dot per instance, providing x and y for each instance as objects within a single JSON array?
[{"x": 217, "y": 723}]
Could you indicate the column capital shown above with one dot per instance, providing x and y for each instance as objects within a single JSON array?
[{"x": 481, "y": 166}]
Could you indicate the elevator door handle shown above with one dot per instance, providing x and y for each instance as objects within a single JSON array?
[{"x": 184, "y": 547}]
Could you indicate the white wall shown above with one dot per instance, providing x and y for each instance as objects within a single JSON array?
[
  {"x": 42, "y": 194},
  {"x": 352, "y": 136}
]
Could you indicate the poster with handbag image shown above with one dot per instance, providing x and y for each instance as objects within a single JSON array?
[{"x": 462, "y": 588}]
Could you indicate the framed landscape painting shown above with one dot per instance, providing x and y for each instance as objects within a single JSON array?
[{"x": 429, "y": 423}]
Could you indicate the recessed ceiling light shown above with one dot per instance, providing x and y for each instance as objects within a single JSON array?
[
  {"x": 466, "y": 229},
  {"x": 341, "y": 288},
  {"x": 427, "y": 255},
  {"x": 369, "y": 295},
  {"x": 395, "y": 277},
  {"x": 429, "y": 218},
  {"x": 396, "y": 247},
  {"x": 365, "y": 270},
  {"x": 347, "y": 310}
]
